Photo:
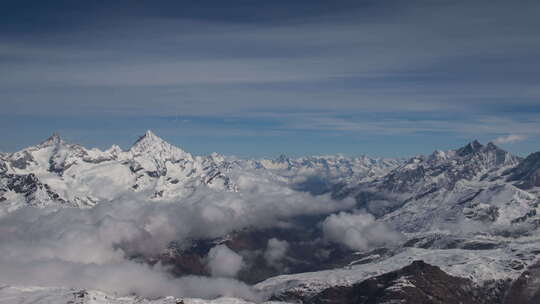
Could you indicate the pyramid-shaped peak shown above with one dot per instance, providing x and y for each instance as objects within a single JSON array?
[
  {"x": 475, "y": 144},
  {"x": 150, "y": 143},
  {"x": 148, "y": 137},
  {"x": 53, "y": 140},
  {"x": 149, "y": 133},
  {"x": 472, "y": 147}
]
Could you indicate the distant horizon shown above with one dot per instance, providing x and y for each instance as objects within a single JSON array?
[{"x": 126, "y": 147}]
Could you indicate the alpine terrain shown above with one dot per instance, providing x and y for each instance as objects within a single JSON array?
[{"x": 156, "y": 224}]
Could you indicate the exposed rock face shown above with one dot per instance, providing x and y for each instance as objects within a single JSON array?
[
  {"x": 427, "y": 192},
  {"x": 445, "y": 169},
  {"x": 417, "y": 283},
  {"x": 527, "y": 174},
  {"x": 30, "y": 189},
  {"x": 526, "y": 289},
  {"x": 306, "y": 252}
]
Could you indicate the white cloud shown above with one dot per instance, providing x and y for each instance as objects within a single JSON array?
[
  {"x": 123, "y": 278},
  {"x": 349, "y": 45},
  {"x": 91, "y": 248},
  {"x": 509, "y": 139},
  {"x": 223, "y": 262},
  {"x": 275, "y": 251},
  {"x": 358, "y": 231}
]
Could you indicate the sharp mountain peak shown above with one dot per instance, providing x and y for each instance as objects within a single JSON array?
[{"x": 52, "y": 140}]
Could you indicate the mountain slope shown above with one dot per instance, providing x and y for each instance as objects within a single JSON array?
[
  {"x": 56, "y": 173},
  {"x": 418, "y": 282},
  {"x": 51, "y": 295},
  {"x": 62, "y": 174},
  {"x": 526, "y": 289},
  {"x": 446, "y": 188},
  {"x": 458, "y": 210},
  {"x": 527, "y": 174},
  {"x": 473, "y": 213}
]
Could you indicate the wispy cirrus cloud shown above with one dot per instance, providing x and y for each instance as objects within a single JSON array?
[
  {"x": 512, "y": 138},
  {"x": 394, "y": 59}
]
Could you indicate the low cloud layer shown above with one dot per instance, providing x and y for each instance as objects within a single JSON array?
[
  {"x": 275, "y": 252},
  {"x": 358, "y": 231},
  {"x": 93, "y": 248},
  {"x": 223, "y": 262},
  {"x": 123, "y": 278}
]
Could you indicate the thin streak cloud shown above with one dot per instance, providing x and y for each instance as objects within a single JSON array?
[{"x": 508, "y": 139}]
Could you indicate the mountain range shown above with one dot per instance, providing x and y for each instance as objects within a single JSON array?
[
  {"x": 465, "y": 220},
  {"x": 58, "y": 173}
]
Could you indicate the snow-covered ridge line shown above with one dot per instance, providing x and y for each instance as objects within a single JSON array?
[
  {"x": 58, "y": 173},
  {"x": 55, "y": 295}
]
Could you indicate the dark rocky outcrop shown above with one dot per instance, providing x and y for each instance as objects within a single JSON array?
[
  {"x": 418, "y": 283},
  {"x": 527, "y": 173},
  {"x": 526, "y": 289},
  {"x": 29, "y": 186}
]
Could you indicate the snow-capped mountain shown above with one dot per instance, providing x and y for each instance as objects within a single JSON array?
[
  {"x": 472, "y": 211},
  {"x": 470, "y": 214},
  {"x": 489, "y": 263},
  {"x": 320, "y": 174},
  {"x": 52, "y": 295},
  {"x": 462, "y": 185},
  {"x": 332, "y": 166},
  {"x": 527, "y": 174},
  {"x": 57, "y": 173}
]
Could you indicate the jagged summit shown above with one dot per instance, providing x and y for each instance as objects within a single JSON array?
[
  {"x": 58, "y": 173},
  {"x": 147, "y": 138},
  {"x": 422, "y": 180},
  {"x": 474, "y": 152},
  {"x": 149, "y": 135},
  {"x": 53, "y": 140},
  {"x": 470, "y": 148},
  {"x": 151, "y": 144},
  {"x": 476, "y": 147}
]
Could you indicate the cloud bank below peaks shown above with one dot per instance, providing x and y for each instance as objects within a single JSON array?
[
  {"x": 358, "y": 231},
  {"x": 223, "y": 262},
  {"x": 275, "y": 251},
  {"x": 91, "y": 248}
]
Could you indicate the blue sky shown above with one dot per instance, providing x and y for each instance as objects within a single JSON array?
[{"x": 260, "y": 78}]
